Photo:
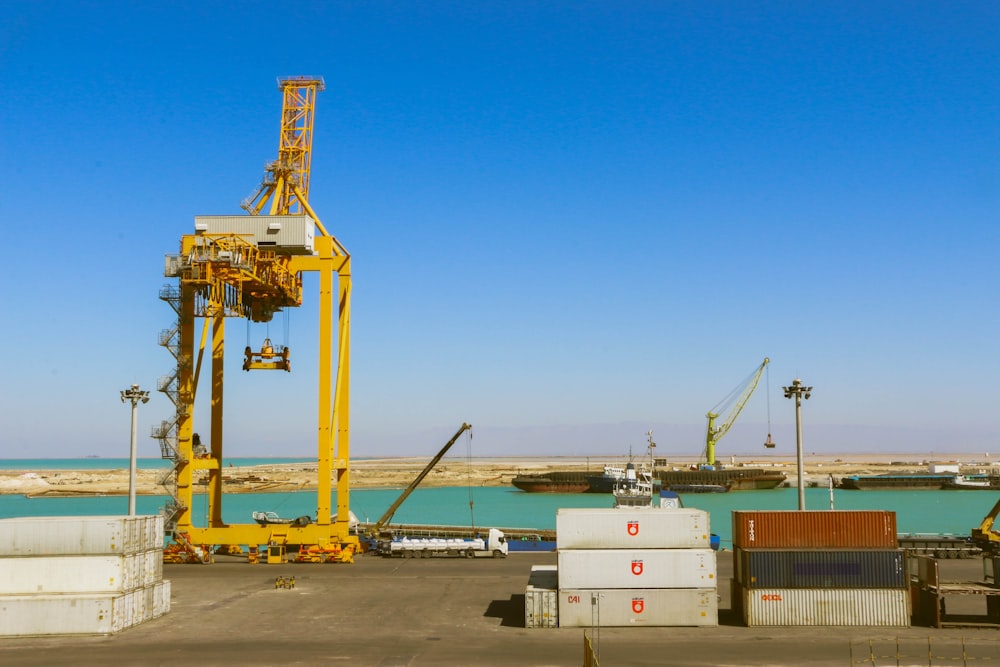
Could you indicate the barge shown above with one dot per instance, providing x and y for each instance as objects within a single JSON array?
[
  {"x": 731, "y": 479},
  {"x": 900, "y": 481},
  {"x": 558, "y": 481}
]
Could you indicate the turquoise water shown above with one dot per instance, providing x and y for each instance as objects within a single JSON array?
[{"x": 954, "y": 512}]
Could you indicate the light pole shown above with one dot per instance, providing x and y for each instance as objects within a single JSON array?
[
  {"x": 798, "y": 391},
  {"x": 135, "y": 395}
]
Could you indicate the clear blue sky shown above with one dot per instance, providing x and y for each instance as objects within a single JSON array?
[{"x": 570, "y": 222}]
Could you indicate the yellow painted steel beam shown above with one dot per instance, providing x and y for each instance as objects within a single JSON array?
[
  {"x": 208, "y": 462},
  {"x": 340, "y": 419},
  {"x": 324, "y": 438},
  {"x": 214, "y": 473},
  {"x": 185, "y": 412},
  {"x": 255, "y": 534}
]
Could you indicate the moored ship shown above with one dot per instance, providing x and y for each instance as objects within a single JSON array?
[
  {"x": 731, "y": 479},
  {"x": 616, "y": 477},
  {"x": 972, "y": 482},
  {"x": 898, "y": 481},
  {"x": 557, "y": 481},
  {"x": 939, "y": 475},
  {"x": 701, "y": 488}
]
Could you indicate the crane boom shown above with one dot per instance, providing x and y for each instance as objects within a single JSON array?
[
  {"x": 286, "y": 180},
  {"x": 714, "y": 433},
  {"x": 376, "y": 529}
]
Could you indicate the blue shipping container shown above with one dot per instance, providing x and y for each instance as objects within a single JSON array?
[{"x": 782, "y": 568}]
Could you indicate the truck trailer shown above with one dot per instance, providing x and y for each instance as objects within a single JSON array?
[{"x": 494, "y": 544}]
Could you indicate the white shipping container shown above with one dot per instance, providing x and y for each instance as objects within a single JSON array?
[
  {"x": 144, "y": 602},
  {"x": 541, "y": 607},
  {"x": 154, "y": 532},
  {"x": 631, "y": 528},
  {"x": 82, "y": 614},
  {"x": 863, "y": 607},
  {"x": 544, "y": 576},
  {"x": 80, "y": 535},
  {"x": 541, "y": 600},
  {"x": 73, "y": 574},
  {"x": 49, "y": 536},
  {"x": 29, "y": 615},
  {"x": 161, "y": 599},
  {"x": 152, "y": 566},
  {"x": 652, "y": 607},
  {"x": 124, "y": 612},
  {"x": 637, "y": 568}
]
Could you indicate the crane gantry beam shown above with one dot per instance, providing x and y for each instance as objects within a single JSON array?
[{"x": 251, "y": 267}]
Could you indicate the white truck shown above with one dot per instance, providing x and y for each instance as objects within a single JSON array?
[{"x": 495, "y": 545}]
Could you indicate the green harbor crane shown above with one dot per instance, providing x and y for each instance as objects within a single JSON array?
[{"x": 741, "y": 394}]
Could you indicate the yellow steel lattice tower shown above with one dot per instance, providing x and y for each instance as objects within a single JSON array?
[
  {"x": 286, "y": 180},
  {"x": 234, "y": 267}
]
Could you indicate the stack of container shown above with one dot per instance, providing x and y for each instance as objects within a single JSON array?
[
  {"x": 635, "y": 566},
  {"x": 80, "y": 575},
  {"x": 841, "y": 568}
]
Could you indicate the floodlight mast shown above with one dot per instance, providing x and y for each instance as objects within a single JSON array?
[
  {"x": 134, "y": 395},
  {"x": 799, "y": 391}
]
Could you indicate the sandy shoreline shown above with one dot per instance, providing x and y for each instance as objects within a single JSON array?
[{"x": 399, "y": 472}]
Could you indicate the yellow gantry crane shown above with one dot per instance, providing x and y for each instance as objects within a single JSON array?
[
  {"x": 741, "y": 394},
  {"x": 251, "y": 266}
]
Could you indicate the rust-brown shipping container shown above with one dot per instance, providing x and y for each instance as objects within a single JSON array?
[{"x": 814, "y": 529}]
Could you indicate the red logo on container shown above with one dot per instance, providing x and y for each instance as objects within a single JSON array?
[
  {"x": 771, "y": 597},
  {"x": 638, "y": 605},
  {"x": 637, "y": 567},
  {"x": 633, "y": 528}
]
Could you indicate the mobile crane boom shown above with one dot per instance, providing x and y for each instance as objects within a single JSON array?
[
  {"x": 376, "y": 530},
  {"x": 714, "y": 433}
]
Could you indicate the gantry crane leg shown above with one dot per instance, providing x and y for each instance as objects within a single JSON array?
[{"x": 215, "y": 456}]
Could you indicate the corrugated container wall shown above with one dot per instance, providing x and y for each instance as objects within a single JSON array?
[
  {"x": 284, "y": 234},
  {"x": 655, "y": 607},
  {"x": 775, "y": 568},
  {"x": 868, "y": 607},
  {"x": 637, "y": 568},
  {"x": 790, "y": 529},
  {"x": 161, "y": 603},
  {"x": 78, "y": 574},
  {"x": 640, "y": 528},
  {"x": 82, "y": 614},
  {"x": 28, "y": 615},
  {"x": 80, "y": 535},
  {"x": 541, "y": 600}
]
